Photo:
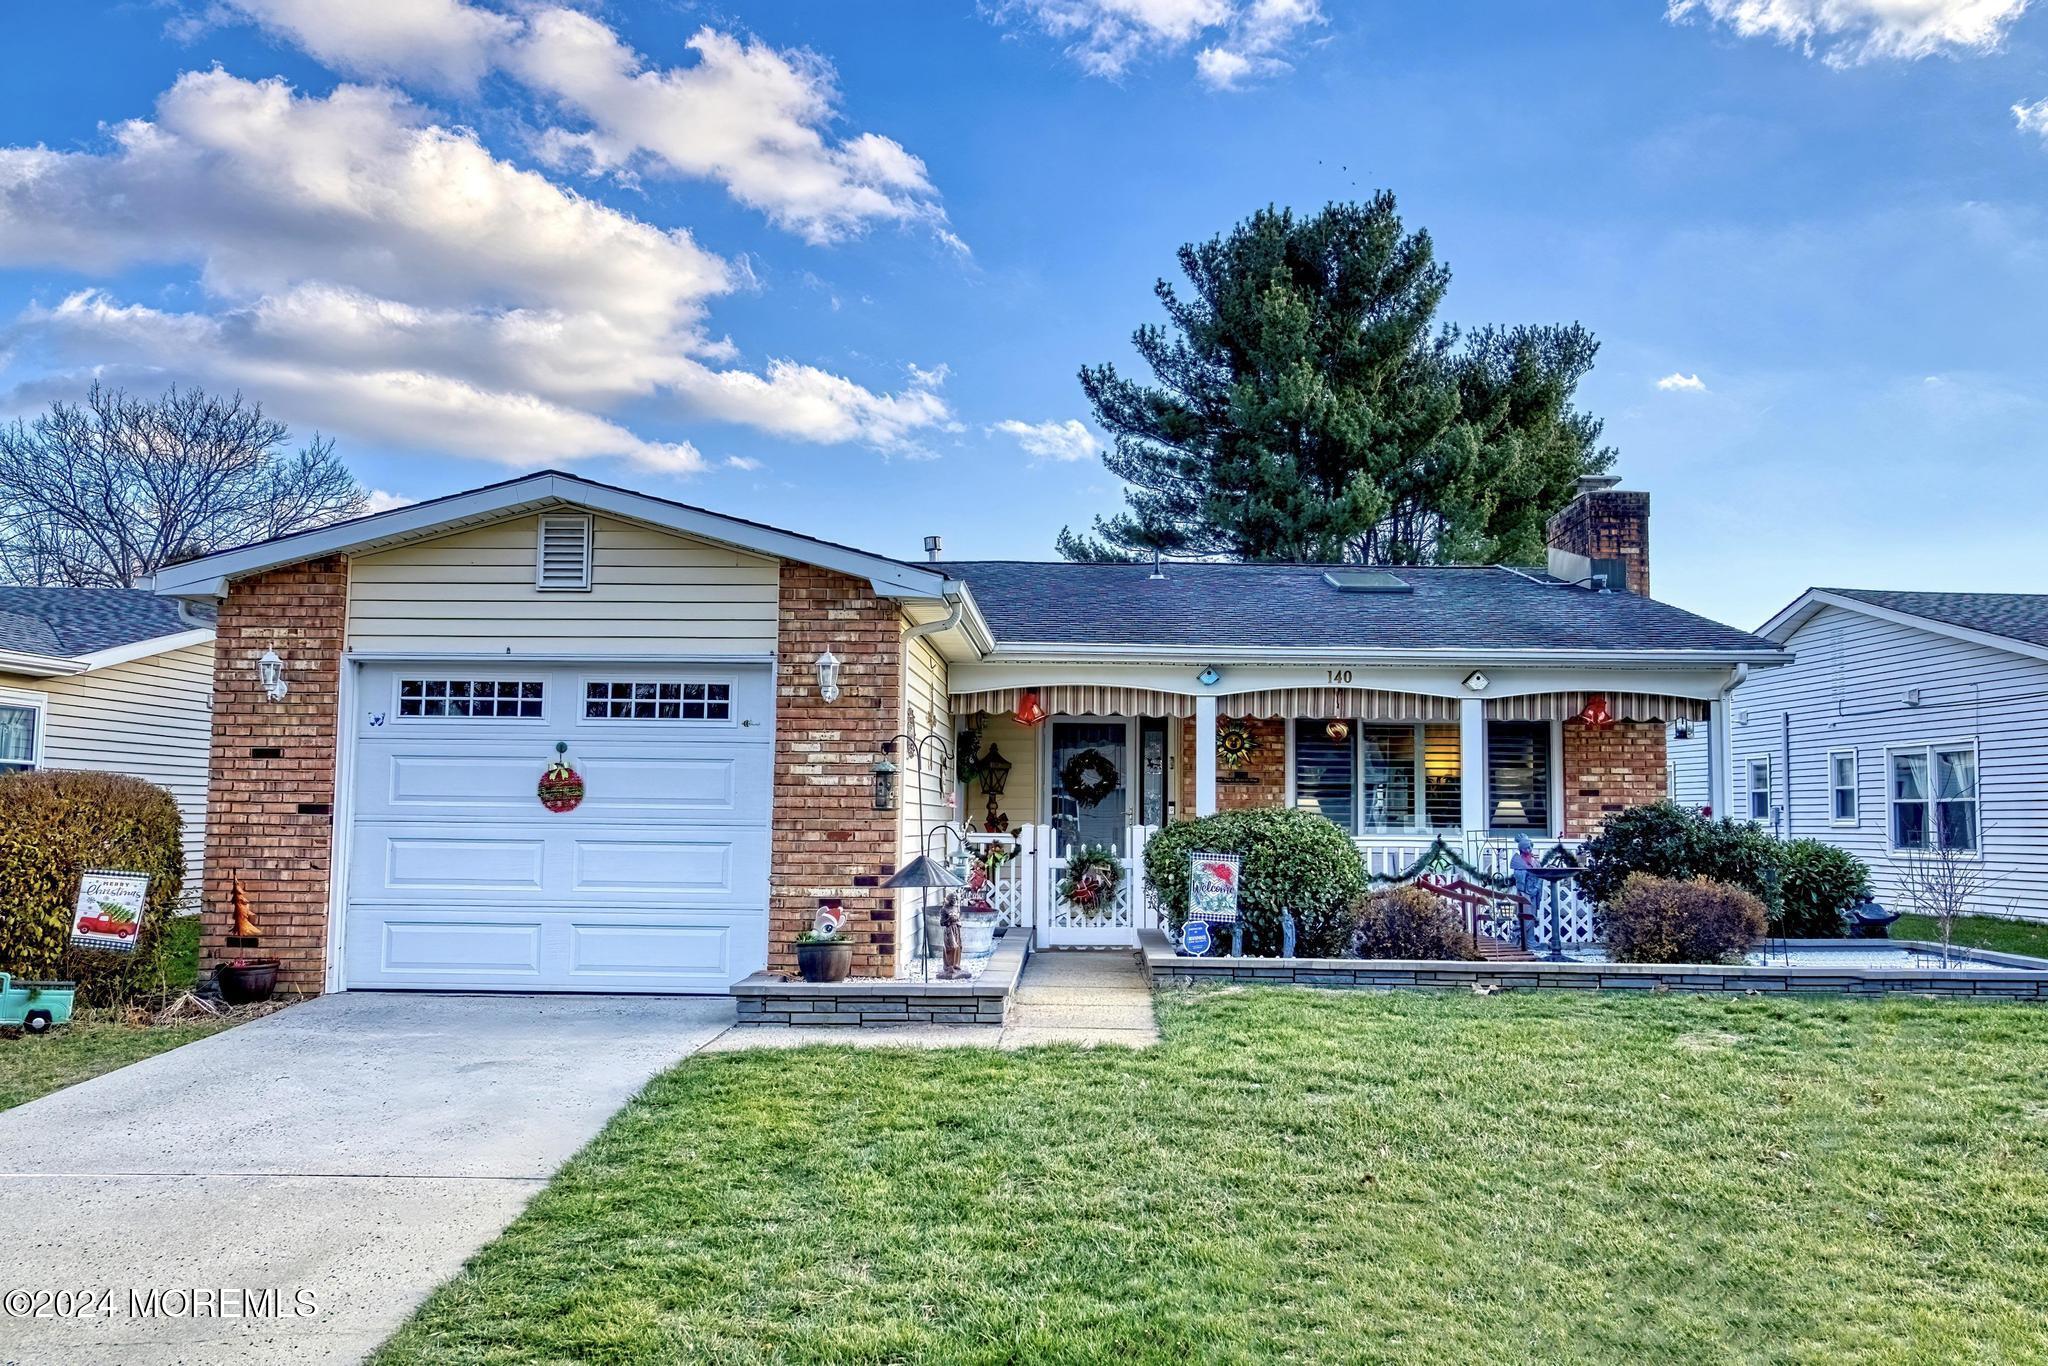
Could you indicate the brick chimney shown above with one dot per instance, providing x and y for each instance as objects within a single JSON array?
[{"x": 1604, "y": 530}]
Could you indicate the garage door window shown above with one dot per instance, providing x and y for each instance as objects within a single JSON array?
[
  {"x": 474, "y": 698},
  {"x": 656, "y": 700}
]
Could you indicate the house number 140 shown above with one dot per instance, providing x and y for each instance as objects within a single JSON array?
[{"x": 1340, "y": 675}]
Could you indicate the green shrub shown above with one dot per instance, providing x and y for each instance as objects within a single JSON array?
[
  {"x": 1407, "y": 922},
  {"x": 1666, "y": 840},
  {"x": 1293, "y": 861},
  {"x": 1664, "y": 920},
  {"x": 1817, "y": 885},
  {"x": 53, "y": 825}
]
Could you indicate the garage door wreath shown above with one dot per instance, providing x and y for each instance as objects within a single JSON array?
[{"x": 561, "y": 787}]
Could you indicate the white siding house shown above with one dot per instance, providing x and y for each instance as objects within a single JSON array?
[
  {"x": 114, "y": 680},
  {"x": 1905, "y": 719}
]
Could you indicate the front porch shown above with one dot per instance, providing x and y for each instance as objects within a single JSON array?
[{"x": 1058, "y": 768}]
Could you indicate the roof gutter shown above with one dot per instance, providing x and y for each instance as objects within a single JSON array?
[{"x": 40, "y": 666}]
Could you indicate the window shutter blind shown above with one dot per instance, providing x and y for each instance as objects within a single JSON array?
[{"x": 562, "y": 560}]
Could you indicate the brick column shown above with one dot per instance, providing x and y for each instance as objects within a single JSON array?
[
  {"x": 270, "y": 787},
  {"x": 829, "y": 841},
  {"x": 1268, "y": 769},
  {"x": 1610, "y": 770}
]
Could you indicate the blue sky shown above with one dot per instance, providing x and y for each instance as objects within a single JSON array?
[{"x": 834, "y": 266}]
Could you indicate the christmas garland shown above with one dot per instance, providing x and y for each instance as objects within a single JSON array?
[
  {"x": 1088, "y": 777},
  {"x": 1090, "y": 882},
  {"x": 1440, "y": 857}
]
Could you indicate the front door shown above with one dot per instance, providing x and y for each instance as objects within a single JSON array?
[{"x": 1091, "y": 783}]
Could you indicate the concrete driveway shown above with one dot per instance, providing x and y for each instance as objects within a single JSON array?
[{"x": 291, "y": 1189}]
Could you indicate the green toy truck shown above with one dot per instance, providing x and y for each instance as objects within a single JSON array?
[{"x": 33, "y": 1007}]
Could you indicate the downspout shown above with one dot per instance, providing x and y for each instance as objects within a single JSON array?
[
  {"x": 1785, "y": 749},
  {"x": 947, "y": 623}
]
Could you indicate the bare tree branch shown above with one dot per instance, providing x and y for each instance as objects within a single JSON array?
[{"x": 105, "y": 494}]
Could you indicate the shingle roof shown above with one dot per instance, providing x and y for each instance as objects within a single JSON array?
[
  {"x": 2017, "y": 616},
  {"x": 1292, "y": 606},
  {"x": 67, "y": 622}
]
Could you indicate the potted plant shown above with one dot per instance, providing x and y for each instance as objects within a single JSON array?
[
  {"x": 245, "y": 981},
  {"x": 824, "y": 955}
]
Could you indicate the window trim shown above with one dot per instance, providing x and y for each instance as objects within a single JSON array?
[
  {"x": 1854, "y": 789},
  {"x": 39, "y": 703},
  {"x": 1929, "y": 749},
  {"x": 641, "y": 723},
  {"x": 1554, "y": 817},
  {"x": 1749, "y": 764},
  {"x": 399, "y": 678}
]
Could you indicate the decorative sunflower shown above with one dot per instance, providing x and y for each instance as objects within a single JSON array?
[{"x": 1235, "y": 743}]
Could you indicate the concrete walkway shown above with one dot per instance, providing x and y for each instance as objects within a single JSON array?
[
  {"x": 348, "y": 1154},
  {"x": 1086, "y": 996}
]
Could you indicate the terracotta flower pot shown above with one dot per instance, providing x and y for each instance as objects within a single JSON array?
[
  {"x": 249, "y": 983},
  {"x": 825, "y": 962}
]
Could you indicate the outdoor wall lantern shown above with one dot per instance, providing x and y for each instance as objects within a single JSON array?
[
  {"x": 828, "y": 676},
  {"x": 1030, "y": 711},
  {"x": 270, "y": 671},
  {"x": 1681, "y": 729},
  {"x": 994, "y": 770},
  {"x": 885, "y": 778}
]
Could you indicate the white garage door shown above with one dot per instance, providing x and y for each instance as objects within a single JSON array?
[{"x": 459, "y": 879}]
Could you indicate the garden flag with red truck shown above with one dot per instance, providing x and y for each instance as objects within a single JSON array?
[{"x": 109, "y": 910}]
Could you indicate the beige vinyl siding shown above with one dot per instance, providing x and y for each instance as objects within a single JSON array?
[
  {"x": 152, "y": 718},
  {"x": 1020, "y": 800},
  {"x": 652, "y": 592},
  {"x": 927, "y": 778},
  {"x": 1847, "y": 690}
]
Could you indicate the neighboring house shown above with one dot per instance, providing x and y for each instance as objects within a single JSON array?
[
  {"x": 736, "y": 699},
  {"x": 114, "y": 679},
  {"x": 1906, "y": 722}
]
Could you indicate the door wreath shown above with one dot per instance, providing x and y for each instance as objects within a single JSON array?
[
  {"x": 1090, "y": 882},
  {"x": 1088, "y": 777}
]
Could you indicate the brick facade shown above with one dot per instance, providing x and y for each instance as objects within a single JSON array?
[
  {"x": 1267, "y": 769},
  {"x": 270, "y": 789},
  {"x": 1608, "y": 524},
  {"x": 1605, "y": 771},
  {"x": 829, "y": 842}
]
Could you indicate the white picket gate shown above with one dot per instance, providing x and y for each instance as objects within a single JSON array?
[{"x": 1024, "y": 891}]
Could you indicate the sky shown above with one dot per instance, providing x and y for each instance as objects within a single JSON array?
[{"x": 835, "y": 266}]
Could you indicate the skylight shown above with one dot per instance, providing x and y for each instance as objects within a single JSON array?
[{"x": 1365, "y": 581}]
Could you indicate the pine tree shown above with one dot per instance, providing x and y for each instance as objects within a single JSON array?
[{"x": 1308, "y": 406}]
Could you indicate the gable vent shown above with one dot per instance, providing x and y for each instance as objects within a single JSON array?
[{"x": 562, "y": 560}]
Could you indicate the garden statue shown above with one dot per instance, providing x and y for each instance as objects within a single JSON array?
[
  {"x": 245, "y": 921},
  {"x": 949, "y": 926},
  {"x": 1287, "y": 934}
]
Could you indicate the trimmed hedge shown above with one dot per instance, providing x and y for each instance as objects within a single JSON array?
[
  {"x": 53, "y": 825},
  {"x": 1818, "y": 884},
  {"x": 1664, "y": 920},
  {"x": 1293, "y": 861},
  {"x": 1408, "y": 922},
  {"x": 1666, "y": 840}
]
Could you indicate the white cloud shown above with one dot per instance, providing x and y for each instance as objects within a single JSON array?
[
  {"x": 1064, "y": 441},
  {"x": 2032, "y": 118},
  {"x": 383, "y": 500},
  {"x": 744, "y": 115},
  {"x": 443, "y": 43},
  {"x": 1677, "y": 383},
  {"x": 379, "y": 275},
  {"x": 1845, "y": 32},
  {"x": 1239, "y": 39}
]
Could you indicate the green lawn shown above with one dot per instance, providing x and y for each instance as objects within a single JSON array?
[
  {"x": 1313, "y": 1176},
  {"x": 97, "y": 1042},
  {"x": 1979, "y": 932}
]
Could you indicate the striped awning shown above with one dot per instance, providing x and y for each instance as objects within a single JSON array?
[
  {"x": 1350, "y": 704},
  {"x": 1625, "y": 706},
  {"x": 1078, "y": 699}
]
